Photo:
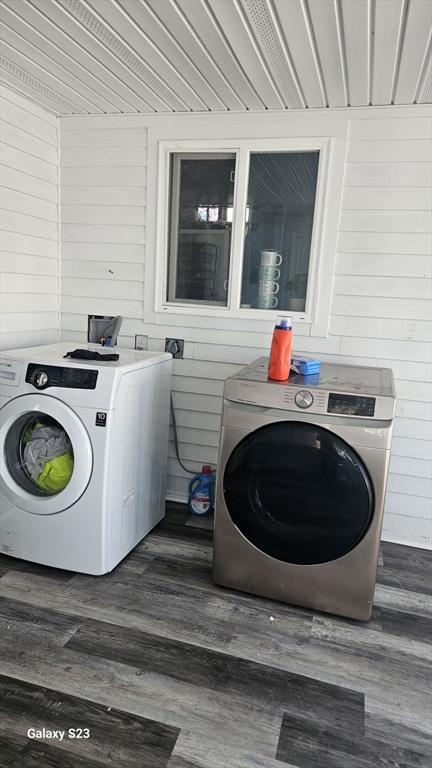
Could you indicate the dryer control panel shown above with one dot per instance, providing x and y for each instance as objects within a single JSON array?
[
  {"x": 351, "y": 405},
  {"x": 44, "y": 376}
]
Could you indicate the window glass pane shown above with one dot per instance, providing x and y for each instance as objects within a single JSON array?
[
  {"x": 279, "y": 219},
  {"x": 201, "y": 212}
]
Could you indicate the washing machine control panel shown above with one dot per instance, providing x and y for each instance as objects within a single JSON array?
[
  {"x": 44, "y": 376},
  {"x": 351, "y": 405}
]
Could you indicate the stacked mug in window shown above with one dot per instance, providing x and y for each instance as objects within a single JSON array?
[{"x": 269, "y": 274}]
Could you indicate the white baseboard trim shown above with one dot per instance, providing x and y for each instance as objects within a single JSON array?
[
  {"x": 418, "y": 543},
  {"x": 179, "y": 497}
]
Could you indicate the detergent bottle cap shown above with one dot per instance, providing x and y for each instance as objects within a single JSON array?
[
  {"x": 206, "y": 469},
  {"x": 284, "y": 322}
]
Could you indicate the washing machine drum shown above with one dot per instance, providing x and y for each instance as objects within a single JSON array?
[
  {"x": 298, "y": 492},
  {"x": 46, "y": 457}
]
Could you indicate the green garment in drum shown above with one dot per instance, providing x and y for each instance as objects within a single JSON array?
[{"x": 56, "y": 473}]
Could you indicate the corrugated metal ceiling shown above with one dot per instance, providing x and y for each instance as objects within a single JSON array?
[{"x": 112, "y": 56}]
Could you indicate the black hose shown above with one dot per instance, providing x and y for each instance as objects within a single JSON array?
[
  {"x": 176, "y": 445},
  {"x": 174, "y": 423}
]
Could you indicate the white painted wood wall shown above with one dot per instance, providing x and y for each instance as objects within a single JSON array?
[
  {"x": 381, "y": 290},
  {"x": 29, "y": 282},
  {"x": 380, "y": 299}
]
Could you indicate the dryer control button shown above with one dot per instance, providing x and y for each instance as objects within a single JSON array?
[
  {"x": 304, "y": 399},
  {"x": 40, "y": 379}
]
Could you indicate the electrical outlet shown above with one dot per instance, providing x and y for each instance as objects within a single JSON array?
[
  {"x": 141, "y": 341},
  {"x": 175, "y": 346}
]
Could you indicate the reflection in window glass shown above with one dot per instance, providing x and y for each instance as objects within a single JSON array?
[
  {"x": 202, "y": 190},
  {"x": 280, "y": 204}
]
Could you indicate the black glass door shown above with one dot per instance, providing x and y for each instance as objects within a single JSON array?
[
  {"x": 298, "y": 493},
  {"x": 39, "y": 454}
]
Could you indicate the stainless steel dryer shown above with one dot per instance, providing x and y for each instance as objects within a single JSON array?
[{"x": 301, "y": 483}]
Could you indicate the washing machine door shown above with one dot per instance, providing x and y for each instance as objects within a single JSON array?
[
  {"x": 46, "y": 457},
  {"x": 298, "y": 492}
]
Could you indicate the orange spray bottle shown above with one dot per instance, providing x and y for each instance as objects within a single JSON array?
[{"x": 280, "y": 352}]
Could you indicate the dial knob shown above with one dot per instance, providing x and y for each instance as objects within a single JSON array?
[
  {"x": 303, "y": 399},
  {"x": 40, "y": 379}
]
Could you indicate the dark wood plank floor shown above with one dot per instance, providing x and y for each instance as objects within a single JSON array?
[{"x": 167, "y": 670}]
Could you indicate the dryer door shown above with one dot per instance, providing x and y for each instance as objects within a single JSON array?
[
  {"x": 46, "y": 456},
  {"x": 298, "y": 492}
]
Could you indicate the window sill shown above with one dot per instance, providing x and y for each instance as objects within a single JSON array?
[{"x": 243, "y": 313}]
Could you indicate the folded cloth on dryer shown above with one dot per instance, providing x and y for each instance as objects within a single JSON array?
[{"x": 48, "y": 457}]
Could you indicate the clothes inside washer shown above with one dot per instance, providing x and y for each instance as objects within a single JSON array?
[{"x": 48, "y": 456}]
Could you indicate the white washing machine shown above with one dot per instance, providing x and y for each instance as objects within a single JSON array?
[
  {"x": 109, "y": 425},
  {"x": 301, "y": 481}
]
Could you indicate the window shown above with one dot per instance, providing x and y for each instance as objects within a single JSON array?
[
  {"x": 241, "y": 227},
  {"x": 278, "y": 230},
  {"x": 201, "y": 215}
]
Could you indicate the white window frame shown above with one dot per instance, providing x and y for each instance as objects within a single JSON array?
[{"x": 242, "y": 148}]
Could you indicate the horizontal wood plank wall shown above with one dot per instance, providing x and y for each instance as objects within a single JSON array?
[
  {"x": 29, "y": 282},
  {"x": 103, "y": 196},
  {"x": 381, "y": 297},
  {"x": 380, "y": 300}
]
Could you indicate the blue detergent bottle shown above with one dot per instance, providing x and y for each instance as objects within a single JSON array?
[{"x": 201, "y": 492}]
